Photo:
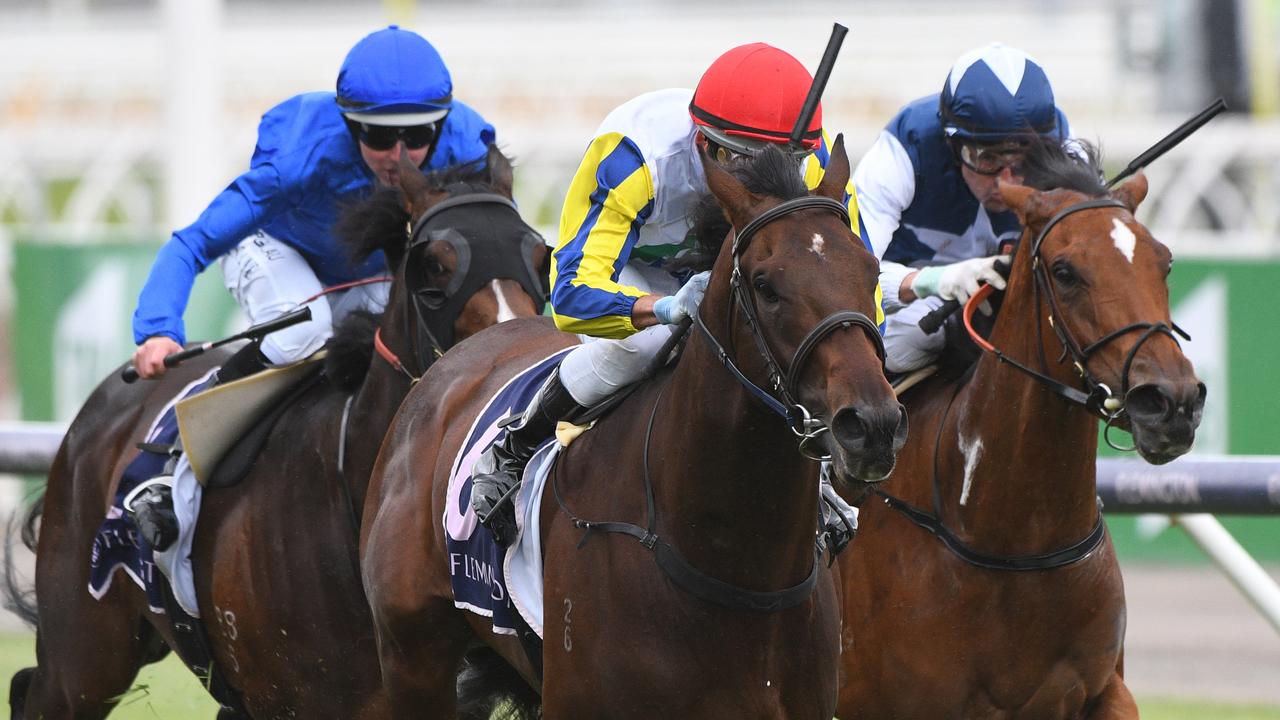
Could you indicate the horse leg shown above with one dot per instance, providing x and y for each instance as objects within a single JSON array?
[
  {"x": 1115, "y": 702},
  {"x": 420, "y": 653},
  {"x": 76, "y": 678}
]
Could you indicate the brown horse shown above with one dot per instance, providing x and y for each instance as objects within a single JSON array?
[
  {"x": 986, "y": 585},
  {"x": 275, "y": 556},
  {"x": 723, "y": 609}
]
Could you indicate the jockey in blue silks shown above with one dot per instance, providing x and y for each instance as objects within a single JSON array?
[
  {"x": 927, "y": 189},
  {"x": 272, "y": 227}
]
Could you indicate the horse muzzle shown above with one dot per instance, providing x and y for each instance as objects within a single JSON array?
[
  {"x": 865, "y": 440},
  {"x": 1163, "y": 418}
]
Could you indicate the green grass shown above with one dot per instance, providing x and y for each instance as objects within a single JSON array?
[{"x": 168, "y": 691}]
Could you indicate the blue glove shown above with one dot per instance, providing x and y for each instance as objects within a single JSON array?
[{"x": 672, "y": 309}]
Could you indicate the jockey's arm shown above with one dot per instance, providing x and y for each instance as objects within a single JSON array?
[
  {"x": 886, "y": 184},
  {"x": 609, "y": 199},
  {"x": 233, "y": 215}
]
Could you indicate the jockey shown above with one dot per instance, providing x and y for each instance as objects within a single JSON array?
[
  {"x": 272, "y": 227},
  {"x": 626, "y": 217},
  {"x": 928, "y": 192}
]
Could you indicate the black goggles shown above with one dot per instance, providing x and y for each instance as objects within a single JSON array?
[
  {"x": 990, "y": 159},
  {"x": 385, "y": 137}
]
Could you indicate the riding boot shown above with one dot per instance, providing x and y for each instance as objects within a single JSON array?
[
  {"x": 247, "y": 361},
  {"x": 152, "y": 507},
  {"x": 496, "y": 474},
  {"x": 840, "y": 519}
]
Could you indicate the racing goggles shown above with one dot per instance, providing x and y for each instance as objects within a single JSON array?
[
  {"x": 723, "y": 147},
  {"x": 990, "y": 159},
  {"x": 385, "y": 137}
]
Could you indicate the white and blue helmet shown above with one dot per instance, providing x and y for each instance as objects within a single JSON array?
[{"x": 996, "y": 92}]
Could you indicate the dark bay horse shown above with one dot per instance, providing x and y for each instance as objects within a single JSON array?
[
  {"x": 731, "y": 494},
  {"x": 1010, "y": 604},
  {"x": 275, "y": 556}
]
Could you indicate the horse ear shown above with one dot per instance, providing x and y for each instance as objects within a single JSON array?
[
  {"x": 1132, "y": 192},
  {"x": 419, "y": 195},
  {"x": 501, "y": 176},
  {"x": 733, "y": 196},
  {"x": 835, "y": 179},
  {"x": 1025, "y": 202}
]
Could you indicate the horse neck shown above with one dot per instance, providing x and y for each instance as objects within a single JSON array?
[
  {"x": 375, "y": 403},
  {"x": 1017, "y": 467},
  {"x": 733, "y": 493}
]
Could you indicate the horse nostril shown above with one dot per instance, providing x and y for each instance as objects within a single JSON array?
[
  {"x": 1149, "y": 403},
  {"x": 848, "y": 429}
]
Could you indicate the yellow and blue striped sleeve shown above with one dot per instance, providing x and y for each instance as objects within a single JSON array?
[
  {"x": 814, "y": 168},
  {"x": 609, "y": 200}
]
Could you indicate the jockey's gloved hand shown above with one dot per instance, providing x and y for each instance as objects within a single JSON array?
[
  {"x": 959, "y": 281},
  {"x": 672, "y": 309}
]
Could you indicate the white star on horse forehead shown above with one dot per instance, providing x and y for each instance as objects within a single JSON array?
[
  {"x": 1124, "y": 238},
  {"x": 1007, "y": 64}
]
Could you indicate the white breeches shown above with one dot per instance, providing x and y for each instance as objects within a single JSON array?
[
  {"x": 906, "y": 346},
  {"x": 269, "y": 278}
]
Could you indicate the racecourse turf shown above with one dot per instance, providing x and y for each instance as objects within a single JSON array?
[{"x": 167, "y": 691}]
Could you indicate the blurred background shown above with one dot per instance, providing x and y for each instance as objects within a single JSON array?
[{"x": 120, "y": 119}]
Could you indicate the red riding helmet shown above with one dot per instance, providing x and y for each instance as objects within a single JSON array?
[{"x": 751, "y": 96}]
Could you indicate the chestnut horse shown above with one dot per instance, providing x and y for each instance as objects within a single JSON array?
[
  {"x": 986, "y": 584},
  {"x": 747, "y": 623},
  {"x": 275, "y": 556}
]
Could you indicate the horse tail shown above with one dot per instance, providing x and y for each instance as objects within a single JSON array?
[
  {"x": 489, "y": 687},
  {"x": 21, "y": 601}
]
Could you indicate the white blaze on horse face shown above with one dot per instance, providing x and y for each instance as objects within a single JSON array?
[
  {"x": 818, "y": 244},
  {"x": 504, "y": 308},
  {"x": 1124, "y": 238},
  {"x": 972, "y": 450}
]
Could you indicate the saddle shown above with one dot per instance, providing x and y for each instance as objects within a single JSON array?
[{"x": 224, "y": 428}]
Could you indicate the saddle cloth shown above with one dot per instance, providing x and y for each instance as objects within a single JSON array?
[
  {"x": 210, "y": 423},
  {"x": 117, "y": 545},
  {"x": 504, "y": 584}
]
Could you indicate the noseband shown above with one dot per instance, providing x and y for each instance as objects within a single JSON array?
[{"x": 785, "y": 384}]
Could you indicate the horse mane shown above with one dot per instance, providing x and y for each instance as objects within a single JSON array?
[
  {"x": 772, "y": 173},
  {"x": 1074, "y": 165},
  {"x": 380, "y": 221},
  {"x": 351, "y": 350}
]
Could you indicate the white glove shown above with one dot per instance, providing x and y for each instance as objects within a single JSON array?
[
  {"x": 958, "y": 281},
  {"x": 671, "y": 309}
]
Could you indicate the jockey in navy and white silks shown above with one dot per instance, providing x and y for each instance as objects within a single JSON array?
[
  {"x": 927, "y": 190},
  {"x": 626, "y": 216},
  {"x": 272, "y": 226}
]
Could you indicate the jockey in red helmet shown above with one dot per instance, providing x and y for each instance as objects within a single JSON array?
[{"x": 626, "y": 217}]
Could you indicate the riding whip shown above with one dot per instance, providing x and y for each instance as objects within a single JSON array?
[
  {"x": 255, "y": 333},
  {"x": 820, "y": 78},
  {"x": 931, "y": 322}
]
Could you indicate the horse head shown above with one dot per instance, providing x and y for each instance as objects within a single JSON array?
[
  {"x": 461, "y": 256},
  {"x": 796, "y": 289},
  {"x": 1099, "y": 279}
]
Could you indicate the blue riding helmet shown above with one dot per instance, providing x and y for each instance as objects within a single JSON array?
[
  {"x": 394, "y": 77},
  {"x": 995, "y": 92}
]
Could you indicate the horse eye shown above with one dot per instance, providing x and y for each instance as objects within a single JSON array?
[
  {"x": 433, "y": 298},
  {"x": 764, "y": 289},
  {"x": 434, "y": 267},
  {"x": 1064, "y": 274}
]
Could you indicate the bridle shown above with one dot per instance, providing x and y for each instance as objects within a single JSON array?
[
  {"x": 1095, "y": 396},
  {"x": 785, "y": 384},
  {"x": 432, "y": 311}
]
